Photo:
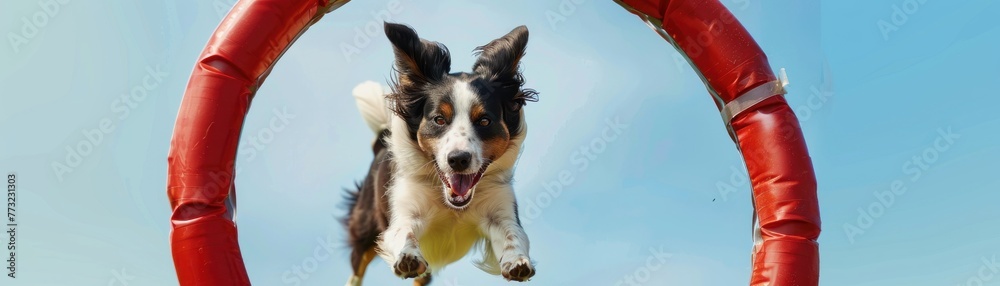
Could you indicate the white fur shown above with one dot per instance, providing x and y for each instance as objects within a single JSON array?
[
  {"x": 371, "y": 102},
  {"x": 422, "y": 224},
  {"x": 461, "y": 136}
]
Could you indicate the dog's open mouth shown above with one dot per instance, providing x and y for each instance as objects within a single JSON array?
[{"x": 460, "y": 186}]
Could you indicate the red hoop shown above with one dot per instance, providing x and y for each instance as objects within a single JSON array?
[
  {"x": 200, "y": 171},
  {"x": 254, "y": 35}
]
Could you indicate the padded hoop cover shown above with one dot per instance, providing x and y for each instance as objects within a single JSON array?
[{"x": 202, "y": 154}]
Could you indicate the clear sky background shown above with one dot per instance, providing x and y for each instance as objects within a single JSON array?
[{"x": 870, "y": 102}]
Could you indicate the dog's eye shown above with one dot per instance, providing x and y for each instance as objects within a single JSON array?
[
  {"x": 439, "y": 120},
  {"x": 484, "y": 121}
]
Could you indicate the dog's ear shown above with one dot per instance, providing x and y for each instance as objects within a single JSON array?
[
  {"x": 501, "y": 57},
  {"x": 418, "y": 63},
  {"x": 417, "y": 60},
  {"x": 499, "y": 63}
]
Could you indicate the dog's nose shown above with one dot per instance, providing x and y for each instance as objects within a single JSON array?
[{"x": 459, "y": 160}]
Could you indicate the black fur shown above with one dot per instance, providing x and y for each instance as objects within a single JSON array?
[
  {"x": 499, "y": 64},
  {"x": 368, "y": 212},
  {"x": 419, "y": 63}
]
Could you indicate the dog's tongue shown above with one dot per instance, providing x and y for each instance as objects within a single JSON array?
[{"x": 461, "y": 184}]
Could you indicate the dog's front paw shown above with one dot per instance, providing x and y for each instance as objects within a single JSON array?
[
  {"x": 410, "y": 265},
  {"x": 518, "y": 270}
]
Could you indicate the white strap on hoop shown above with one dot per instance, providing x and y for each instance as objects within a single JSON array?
[{"x": 752, "y": 97}]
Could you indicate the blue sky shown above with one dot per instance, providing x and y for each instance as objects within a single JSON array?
[{"x": 874, "y": 92}]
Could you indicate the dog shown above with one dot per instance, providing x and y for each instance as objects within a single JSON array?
[{"x": 441, "y": 182}]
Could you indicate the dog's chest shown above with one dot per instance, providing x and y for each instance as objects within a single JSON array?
[{"x": 448, "y": 238}]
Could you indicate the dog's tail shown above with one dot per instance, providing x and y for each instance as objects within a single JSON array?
[{"x": 372, "y": 104}]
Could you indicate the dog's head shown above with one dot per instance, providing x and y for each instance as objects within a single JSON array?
[{"x": 461, "y": 121}]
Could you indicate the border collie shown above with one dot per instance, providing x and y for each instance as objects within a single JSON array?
[{"x": 445, "y": 150}]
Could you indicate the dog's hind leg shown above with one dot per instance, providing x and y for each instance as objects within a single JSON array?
[
  {"x": 359, "y": 261},
  {"x": 423, "y": 280}
]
